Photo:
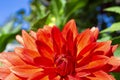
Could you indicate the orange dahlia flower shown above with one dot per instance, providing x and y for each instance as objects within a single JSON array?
[{"x": 51, "y": 54}]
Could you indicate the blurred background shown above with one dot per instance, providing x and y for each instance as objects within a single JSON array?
[{"x": 16, "y": 15}]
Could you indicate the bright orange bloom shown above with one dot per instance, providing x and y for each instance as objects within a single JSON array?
[{"x": 51, "y": 54}]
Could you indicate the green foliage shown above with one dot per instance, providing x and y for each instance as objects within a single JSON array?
[
  {"x": 117, "y": 52},
  {"x": 60, "y": 10},
  {"x": 116, "y": 75},
  {"x": 74, "y": 5},
  {"x": 112, "y": 28},
  {"x": 104, "y": 37},
  {"x": 116, "y": 40},
  {"x": 115, "y": 9},
  {"x": 5, "y": 39},
  {"x": 40, "y": 23},
  {"x": 7, "y": 34}
]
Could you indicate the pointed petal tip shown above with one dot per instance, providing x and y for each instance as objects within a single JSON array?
[
  {"x": 23, "y": 32},
  {"x": 71, "y": 21},
  {"x": 94, "y": 29},
  {"x": 19, "y": 39}
]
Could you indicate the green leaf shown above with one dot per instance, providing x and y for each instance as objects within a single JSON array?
[
  {"x": 5, "y": 39},
  {"x": 7, "y": 27},
  {"x": 112, "y": 28},
  {"x": 16, "y": 29},
  {"x": 56, "y": 7},
  {"x": 116, "y": 40},
  {"x": 57, "y": 11},
  {"x": 117, "y": 52},
  {"x": 115, "y": 9},
  {"x": 39, "y": 24},
  {"x": 74, "y": 5},
  {"x": 116, "y": 75}
]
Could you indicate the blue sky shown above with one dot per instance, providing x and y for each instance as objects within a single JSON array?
[{"x": 9, "y": 7}]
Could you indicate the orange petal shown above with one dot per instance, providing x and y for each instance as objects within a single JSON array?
[
  {"x": 70, "y": 26},
  {"x": 44, "y": 35},
  {"x": 25, "y": 70},
  {"x": 103, "y": 48},
  {"x": 33, "y": 34},
  {"x": 115, "y": 62},
  {"x": 95, "y": 32},
  {"x": 27, "y": 55},
  {"x": 97, "y": 64},
  {"x": 101, "y": 75},
  {"x": 45, "y": 50},
  {"x": 13, "y": 58},
  {"x": 29, "y": 42},
  {"x": 5, "y": 62},
  {"x": 48, "y": 74},
  {"x": 70, "y": 77},
  {"x": 13, "y": 77},
  {"x": 4, "y": 73},
  {"x": 19, "y": 52},
  {"x": 39, "y": 75},
  {"x": 85, "y": 55},
  {"x": 83, "y": 39},
  {"x": 20, "y": 39}
]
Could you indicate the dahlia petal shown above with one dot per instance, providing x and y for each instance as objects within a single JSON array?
[
  {"x": 25, "y": 70},
  {"x": 13, "y": 58},
  {"x": 45, "y": 50},
  {"x": 73, "y": 78},
  {"x": 20, "y": 39},
  {"x": 83, "y": 73},
  {"x": 115, "y": 62},
  {"x": 30, "y": 53},
  {"x": 44, "y": 35},
  {"x": 56, "y": 78},
  {"x": 97, "y": 64},
  {"x": 47, "y": 29},
  {"x": 101, "y": 75},
  {"x": 48, "y": 74},
  {"x": 70, "y": 26},
  {"x": 4, "y": 73},
  {"x": 58, "y": 40},
  {"x": 114, "y": 48},
  {"x": 85, "y": 54},
  {"x": 84, "y": 39},
  {"x": 38, "y": 75},
  {"x": 43, "y": 61},
  {"x": 33, "y": 34},
  {"x": 19, "y": 52},
  {"x": 95, "y": 32},
  {"x": 27, "y": 55},
  {"x": 103, "y": 47},
  {"x": 70, "y": 43},
  {"x": 13, "y": 77},
  {"x": 29, "y": 42},
  {"x": 4, "y": 62}
]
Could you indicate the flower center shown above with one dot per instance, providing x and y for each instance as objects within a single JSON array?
[{"x": 65, "y": 65}]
